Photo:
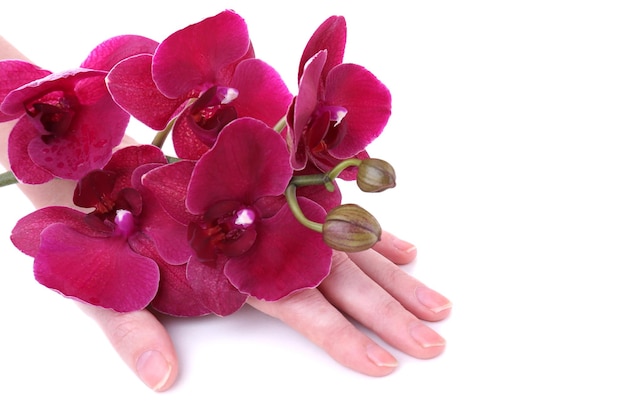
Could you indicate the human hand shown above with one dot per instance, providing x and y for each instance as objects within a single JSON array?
[{"x": 368, "y": 286}]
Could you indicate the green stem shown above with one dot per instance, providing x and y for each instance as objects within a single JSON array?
[
  {"x": 292, "y": 201},
  {"x": 7, "y": 178},
  {"x": 281, "y": 124},
  {"x": 334, "y": 173},
  {"x": 159, "y": 138}
]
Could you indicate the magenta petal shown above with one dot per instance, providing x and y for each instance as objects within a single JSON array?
[
  {"x": 185, "y": 139},
  {"x": 213, "y": 288},
  {"x": 169, "y": 236},
  {"x": 329, "y": 36},
  {"x": 175, "y": 296},
  {"x": 80, "y": 150},
  {"x": 14, "y": 74},
  {"x": 368, "y": 102},
  {"x": 168, "y": 185},
  {"x": 110, "y": 52},
  {"x": 126, "y": 160},
  {"x": 22, "y": 164},
  {"x": 250, "y": 160},
  {"x": 25, "y": 234},
  {"x": 131, "y": 85},
  {"x": 13, "y": 103},
  {"x": 263, "y": 94},
  {"x": 100, "y": 271},
  {"x": 191, "y": 58},
  {"x": 305, "y": 104},
  {"x": 286, "y": 257}
]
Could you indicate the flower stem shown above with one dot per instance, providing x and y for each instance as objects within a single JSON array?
[
  {"x": 313, "y": 179},
  {"x": 334, "y": 173},
  {"x": 159, "y": 138},
  {"x": 7, "y": 178},
  {"x": 281, "y": 124},
  {"x": 292, "y": 201}
]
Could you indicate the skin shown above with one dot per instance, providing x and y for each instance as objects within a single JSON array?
[{"x": 368, "y": 286}]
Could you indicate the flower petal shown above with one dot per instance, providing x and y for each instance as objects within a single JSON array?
[
  {"x": 25, "y": 234},
  {"x": 111, "y": 51},
  {"x": 286, "y": 257},
  {"x": 100, "y": 271},
  {"x": 249, "y": 160},
  {"x": 213, "y": 288},
  {"x": 193, "y": 57},
  {"x": 22, "y": 164},
  {"x": 131, "y": 85},
  {"x": 329, "y": 36},
  {"x": 368, "y": 102},
  {"x": 304, "y": 106},
  {"x": 175, "y": 296},
  {"x": 263, "y": 94},
  {"x": 98, "y": 128},
  {"x": 14, "y": 74},
  {"x": 168, "y": 184}
]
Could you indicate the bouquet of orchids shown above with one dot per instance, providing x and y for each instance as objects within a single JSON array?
[{"x": 249, "y": 204}]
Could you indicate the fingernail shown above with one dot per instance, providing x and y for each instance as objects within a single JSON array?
[
  {"x": 434, "y": 301},
  {"x": 153, "y": 369},
  {"x": 381, "y": 357},
  {"x": 403, "y": 246},
  {"x": 426, "y": 337}
]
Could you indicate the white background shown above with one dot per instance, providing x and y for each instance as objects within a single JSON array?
[{"x": 508, "y": 137}]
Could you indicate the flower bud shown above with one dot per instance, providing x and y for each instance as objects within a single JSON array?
[
  {"x": 375, "y": 175},
  {"x": 350, "y": 228}
]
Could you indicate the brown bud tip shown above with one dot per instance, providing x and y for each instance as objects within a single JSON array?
[
  {"x": 375, "y": 175},
  {"x": 350, "y": 228}
]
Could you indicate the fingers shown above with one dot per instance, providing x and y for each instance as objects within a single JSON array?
[
  {"x": 416, "y": 297},
  {"x": 309, "y": 313},
  {"x": 396, "y": 250},
  {"x": 142, "y": 342},
  {"x": 355, "y": 293}
]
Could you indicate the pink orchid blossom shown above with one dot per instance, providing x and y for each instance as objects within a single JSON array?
[
  {"x": 242, "y": 234},
  {"x": 340, "y": 108},
  {"x": 205, "y": 75},
  {"x": 100, "y": 257},
  {"x": 67, "y": 122}
]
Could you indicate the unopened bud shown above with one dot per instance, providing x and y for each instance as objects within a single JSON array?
[
  {"x": 350, "y": 228},
  {"x": 375, "y": 175}
]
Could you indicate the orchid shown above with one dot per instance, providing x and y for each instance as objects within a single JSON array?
[
  {"x": 239, "y": 227},
  {"x": 95, "y": 257},
  {"x": 60, "y": 130},
  {"x": 205, "y": 76},
  {"x": 340, "y": 108},
  {"x": 249, "y": 205}
]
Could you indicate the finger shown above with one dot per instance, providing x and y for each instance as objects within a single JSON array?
[
  {"x": 416, "y": 297},
  {"x": 395, "y": 249},
  {"x": 142, "y": 342},
  {"x": 309, "y": 313},
  {"x": 356, "y": 294}
]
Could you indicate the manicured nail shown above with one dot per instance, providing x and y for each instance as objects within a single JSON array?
[
  {"x": 425, "y": 336},
  {"x": 153, "y": 369},
  {"x": 403, "y": 246},
  {"x": 381, "y": 357},
  {"x": 434, "y": 301}
]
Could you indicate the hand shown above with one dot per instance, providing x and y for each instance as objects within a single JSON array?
[{"x": 368, "y": 286}]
